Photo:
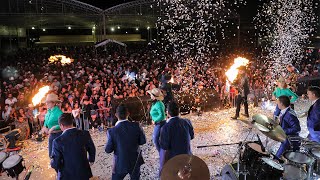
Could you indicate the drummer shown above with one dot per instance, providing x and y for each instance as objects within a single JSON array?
[
  {"x": 51, "y": 125},
  {"x": 283, "y": 90},
  {"x": 289, "y": 123}
]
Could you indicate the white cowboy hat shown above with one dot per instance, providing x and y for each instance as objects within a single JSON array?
[
  {"x": 156, "y": 93},
  {"x": 52, "y": 98}
]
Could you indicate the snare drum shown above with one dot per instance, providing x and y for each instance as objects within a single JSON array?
[
  {"x": 3, "y": 156},
  {"x": 252, "y": 153},
  {"x": 13, "y": 165},
  {"x": 294, "y": 172},
  {"x": 268, "y": 169}
]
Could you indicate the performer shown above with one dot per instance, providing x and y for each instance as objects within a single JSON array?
[
  {"x": 292, "y": 77},
  {"x": 289, "y": 123},
  {"x": 313, "y": 119},
  {"x": 51, "y": 125},
  {"x": 167, "y": 87},
  {"x": 124, "y": 140},
  {"x": 69, "y": 151},
  {"x": 157, "y": 113},
  {"x": 175, "y": 135},
  {"x": 243, "y": 93},
  {"x": 283, "y": 90}
]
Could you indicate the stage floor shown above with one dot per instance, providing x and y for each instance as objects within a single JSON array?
[{"x": 210, "y": 128}]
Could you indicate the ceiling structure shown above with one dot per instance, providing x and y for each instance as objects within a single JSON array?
[{"x": 64, "y": 13}]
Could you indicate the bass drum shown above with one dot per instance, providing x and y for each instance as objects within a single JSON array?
[
  {"x": 268, "y": 169},
  {"x": 251, "y": 154}
]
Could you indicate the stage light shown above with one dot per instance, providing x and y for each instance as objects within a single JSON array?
[
  {"x": 33, "y": 28},
  {"x": 126, "y": 32},
  {"x": 69, "y": 27},
  {"x": 94, "y": 27},
  {"x": 137, "y": 29},
  {"x": 92, "y": 31},
  {"x": 112, "y": 29},
  {"x": 118, "y": 27},
  {"x": 148, "y": 27},
  {"x": 43, "y": 29}
]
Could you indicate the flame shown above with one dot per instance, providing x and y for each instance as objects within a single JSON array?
[
  {"x": 40, "y": 95},
  {"x": 63, "y": 59},
  {"x": 232, "y": 73}
]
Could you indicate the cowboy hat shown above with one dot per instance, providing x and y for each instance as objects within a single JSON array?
[
  {"x": 156, "y": 93},
  {"x": 281, "y": 80},
  {"x": 52, "y": 98}
]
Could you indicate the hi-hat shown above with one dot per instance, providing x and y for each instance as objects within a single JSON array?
[{"x": 185, "y": 166}]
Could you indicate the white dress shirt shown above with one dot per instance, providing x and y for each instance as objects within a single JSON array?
[{"x": 119, "y": 121}]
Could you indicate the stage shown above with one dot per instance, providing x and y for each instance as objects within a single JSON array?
[{"x": 210, "y": 128}]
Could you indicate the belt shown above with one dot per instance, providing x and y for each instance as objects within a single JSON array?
[
  {"x": 55, "y": 132},
  {"x": 160, "y": 122}
]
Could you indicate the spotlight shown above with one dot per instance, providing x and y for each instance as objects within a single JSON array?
[
  {"x": 112, "y": 29},
  {"x": 94, "y": 27},
  {"x": 33, "y": 27},
  {"x": 126, "y": 32},
  {"x": 118, "y": 27},
  {"x": 43, "y": 29},
  {"x": 69, "y": 27},
  {"x": 137, "y": 29},
  {"x": 148, "y": 27}
]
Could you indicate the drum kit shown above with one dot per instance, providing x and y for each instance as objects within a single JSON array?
[
  {"x": 12, "y": 164},
  {"x": 10, "y": 161},
  {"x": 300, "y": 164},
  {"x": 257, "y": 163}
]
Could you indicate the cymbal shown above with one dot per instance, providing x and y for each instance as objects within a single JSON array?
[
  {"x": 261, "y": 127},
  {"x": 262, "y": 119},
  {"x": 178, "y": 166},
  {"x": 274, "y": 131}
]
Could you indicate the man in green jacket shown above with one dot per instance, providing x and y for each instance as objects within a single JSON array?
[
  {"x": 157, "y": 113},
  {"x": 51, "y": 125}
]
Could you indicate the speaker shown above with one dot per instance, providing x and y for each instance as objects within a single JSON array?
[{"x": 137, "y": 106}]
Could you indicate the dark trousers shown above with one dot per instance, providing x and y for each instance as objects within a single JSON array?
[
  {"x": 285, "y": 146},
  {"x": 133, "y": 176},
  {"x": 51, "y": 138},
  {"x": 239, "y": 100}
]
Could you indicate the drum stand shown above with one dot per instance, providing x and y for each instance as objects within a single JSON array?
[{"x": 244, "y": 171}]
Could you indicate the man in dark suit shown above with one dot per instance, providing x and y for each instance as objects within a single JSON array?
[
  {"x": 289, "y": 123},
  {"x": 175, "y": 135},
  {"x": 124, "y": 140},
  {"x": 244, "y": 90},
  {"x": 69, "y": 151},
  {"x": 313, "y": 119}
]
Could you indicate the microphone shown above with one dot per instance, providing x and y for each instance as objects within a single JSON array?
[{"x": 260, "y": 142}]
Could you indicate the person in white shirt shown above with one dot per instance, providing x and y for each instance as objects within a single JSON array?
[{"x": 11, "y": 100}]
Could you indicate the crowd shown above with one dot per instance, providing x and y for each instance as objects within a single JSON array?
[{"x": 88, "y": 86}]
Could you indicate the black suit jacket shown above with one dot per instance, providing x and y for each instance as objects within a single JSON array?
[
  {"x": 69, "y": 155},
  {"x": 124, "y": 140}
]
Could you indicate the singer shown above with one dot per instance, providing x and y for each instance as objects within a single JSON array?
[{"x": 289, "y": 123}]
